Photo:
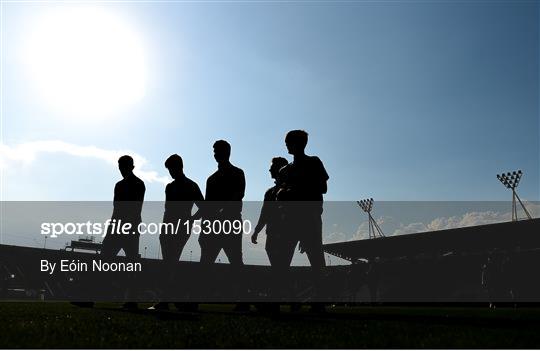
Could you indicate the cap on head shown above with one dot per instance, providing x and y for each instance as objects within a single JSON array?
[{"x": 174, "y": 162}]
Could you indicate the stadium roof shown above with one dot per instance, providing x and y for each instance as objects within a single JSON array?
[{"x": 523, "y": 235}]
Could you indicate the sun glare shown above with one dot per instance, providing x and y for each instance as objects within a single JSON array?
[{"x": 85, "y": 62}]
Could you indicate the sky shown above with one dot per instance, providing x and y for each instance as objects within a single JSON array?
[{"x": 402, "y": 100}]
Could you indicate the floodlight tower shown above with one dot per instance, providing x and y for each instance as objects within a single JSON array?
[
  {"x": 511, "y": 181},
  {"x": 373, "y": 228}
]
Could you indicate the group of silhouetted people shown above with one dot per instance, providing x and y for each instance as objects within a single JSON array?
[{"x": 291, "y": 210}]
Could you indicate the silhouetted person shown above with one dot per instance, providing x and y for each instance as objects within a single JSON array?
[
  {"x": 128, "y": 201},
  {"x": 305, "y": 179},
  {"x": 304, "y": 183},
  {"x": 223, "y": 201},
  {"x": 279, "y": 245},
  {"x": 180, "y": 196}
]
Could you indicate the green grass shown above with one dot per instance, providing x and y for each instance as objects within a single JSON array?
[{"x": 60, "y": 325}]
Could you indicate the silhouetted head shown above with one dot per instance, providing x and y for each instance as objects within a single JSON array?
[
  {"x": 125, "y": 165},
  {"x": 175, "y": 165},
  {"x": 222, "y": 151},
  {"x": 296, "y": 141},
  {"x": 277, "y": 164}
]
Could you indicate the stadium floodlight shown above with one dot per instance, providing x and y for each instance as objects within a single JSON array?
[
  {"x": 373, "y": 228},
  {"x": 511, "y": 180},
  {"x": 366, "y": 204}
]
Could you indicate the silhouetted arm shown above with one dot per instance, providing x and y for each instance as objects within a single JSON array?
[
  {"x": 167, "y": 197},
  {"x": 322, "y": 184},
  {"x": 323, "y": 187},
  {"x": 240, "y": 187},
  {"x": 115, "y": 208},
  {"x": 141, "y": 193},
  {"x": 140, "y": 198},
  {"x": 115, "y": 200},
  {"x": 261, "y": 223}
]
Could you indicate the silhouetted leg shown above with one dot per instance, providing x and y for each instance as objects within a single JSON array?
[
  {"x": 279, "y": 284},
  {"x": 270, "y": 248},
  {"x": 280, "y": 250},
  {"x": 131, "y": 249},
  {"x": 209, "y": 251},
  {"x": 275, "y": 284},
  {"x": 233, "y": 250},
  {"x": 210, "y": 248},
  {"x": 312, "y": 243},
  {"x": 183, "y": 306},
  {"x": 288, "y": 247},
  {"x": 169, "y": 249},
  {"x": 316, "y": 257},
  {"x": 172, "y": 247},
  {"x": 110, "y": 246},
  {"x": 131, "y": 246},
  {"x": 314, "y": 250},
  {"x": 168, "y": 253},
  {"x": 180, "y": 248}
]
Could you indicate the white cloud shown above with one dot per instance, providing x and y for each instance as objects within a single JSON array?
[
  {"x": 410, "y": 228},
  {"x": 335, "y": 237},
  {"x": 362, "y": 232},
  {"x": 466, "y": 220},
  {"x": 25, "y": 153},
  {"x": 440, "y": 223}
]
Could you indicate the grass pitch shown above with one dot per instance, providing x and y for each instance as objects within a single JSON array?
[{"x": 60, "y": 325}]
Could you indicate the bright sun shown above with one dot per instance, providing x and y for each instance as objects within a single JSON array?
[{"x": 85, "y": 62}]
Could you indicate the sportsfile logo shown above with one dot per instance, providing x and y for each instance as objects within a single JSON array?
[{"x": 113, "y": 226}]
